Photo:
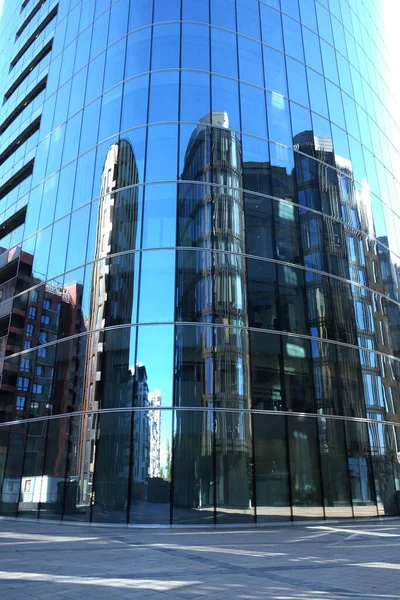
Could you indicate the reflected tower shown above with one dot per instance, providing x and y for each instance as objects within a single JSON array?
[
  {"x": 211, "y": 289},
  {"x": 108, "y": 378}
]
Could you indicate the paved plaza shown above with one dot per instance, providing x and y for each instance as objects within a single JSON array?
[{"x": 328, "y": 561}]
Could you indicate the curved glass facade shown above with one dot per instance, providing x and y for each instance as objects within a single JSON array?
[{"x": 199, "y": 261}]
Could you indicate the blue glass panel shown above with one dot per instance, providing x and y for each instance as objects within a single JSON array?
[
  {"x": 250, "y": 61},
  {"x": 253, "y": 110},
  {"x": 110, "y": 115},
  {"x": 278, "y": 119},
  {"x": 138, "y": 53},
  {"x": 134, "y": 102},
  {"x": 166, "y": 11},
  {"x": 195, "y": 96},
  {"x": 335, "y": 104},
  {"x": 118, "y": 20},
  {"x": 329, "y": 62},
  {"x": 115, "y": 64},
  {"x": 271, "y": 27},
  {"x": 225, "y": 97},
  {"x": 297, "y": 81},
  {"x": 324, "y": 23},
  {"x": 224, "y": 52},
  {"x": 275, "y": 71},
  {"x": 308, "y": 17},
  {"x": 248, "y": 18},
  {"x": 140, "y": 14},
  {"x": 195, "y": 47},
  {"x": 316, "y": 86},
  {"x": 195, "y": 10},
  {"x": 165, "y": 53},
  {"x": 291, "y": 7},
  {"x": 163, "y": 97},
  {"x": 312, "y": 50},
  {"x": 292, "y": 38},
  {"x": 161, "y": 159},
  {"x": 223, "y": 13}
]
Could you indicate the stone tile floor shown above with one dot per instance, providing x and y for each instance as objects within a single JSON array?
[{"x": 331, "y": 561}]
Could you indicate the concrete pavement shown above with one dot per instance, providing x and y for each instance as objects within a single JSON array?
[{"x": 328, "y": 561}]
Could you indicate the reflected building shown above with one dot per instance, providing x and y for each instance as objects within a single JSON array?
[
  {"x": 154, "y": 416},
  {"x": 37, "y": 384},
  {"x": 355, "y": 315},
  {"x": 108, "y": 377},
  {"x": 211, "y": 288}
]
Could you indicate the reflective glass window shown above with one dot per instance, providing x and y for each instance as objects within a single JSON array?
[
  {"x": 297, "y": 81},
  {"x": 165, "y": 50},
  {"x": 71, "y": 141},
  {"x": 163, "y": 97},
  {"x": 316, "y": 87},
  {"x": 279, "y": 119},
  {"x": 271, "y": 468},
  {"x": 118, "y": 20},
  {"x": 134, "y": 102},
  {"x": 99, "y": 35},
  {"x": 223, "y": 13},
  {"x": 166, "y": 12},
  {"x": 250, "y": 61},
  {"x": 115, "y": 63},
  {"x": 224, "y": 52},
  {"x": 195, "y": 47},
  {"x": 112, "y": 466},
  {"x": 312, "y": 50},
  {"x": 162, "y": 144},
  {"x": 195, "y": 96},
  {"x": 84, "y": 178},
  {"x": 90, "y": 126},
  {"x": 253, "y": 110},
  {"x": 307, "y": 11},
  {"x": 77, "y": 239},
  {"x": 234, "y": 498},
  {"x": 141, "y": 15},
  {"x": 248, "y": 18},
  {"x": 329, "y": 62},
  {"x": 58, "y": 248},
  {"x": 138, "y": 52},
  {"x": 304, "y": 468},
  {"x": 195, "y": 10},
  {"x": 77, "y": 92},
  {"x": 157, "y": 266},
  {"x": 94, "y": 84},
  {"x": 225, "y": 98},
  {"x": 159, "y": 216},
  {"x": 275, "y": 71},
  {"x": 271, "y": 27},
  {"x": 110, "y": 115},
  {"x": 324, "y": 23},
  {"x": 193, "y": 493},
  {"x": 292, "y": 38},
  {"x": 335, "y": 104},
  {"x": 82, "y": 49},
  {"x": 301, "y": 120}
]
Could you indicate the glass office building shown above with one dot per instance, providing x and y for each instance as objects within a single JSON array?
[{"x": 199, "y": 261}]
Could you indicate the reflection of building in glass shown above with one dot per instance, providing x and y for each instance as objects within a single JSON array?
[
  {"x": 40, "y": 383},
  {"x": 107, "y": 376},
  {"x": 355, "y": 316},
  {"x": 141, "y": 435},
  {"x": 212, "y": 289},
  {"x": 155, "y": 400}
]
